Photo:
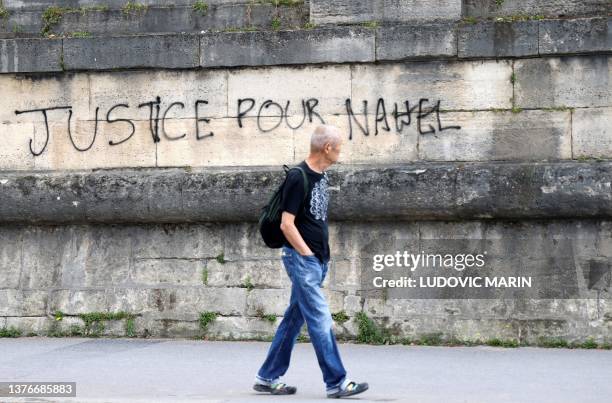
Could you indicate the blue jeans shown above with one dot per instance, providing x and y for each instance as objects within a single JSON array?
[{"x": 308, "y": 303}]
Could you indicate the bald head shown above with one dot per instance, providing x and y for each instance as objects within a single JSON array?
[{"x": 322, "y": 135}]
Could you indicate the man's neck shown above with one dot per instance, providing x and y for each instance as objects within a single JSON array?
[{"x": 317, "y": 164}]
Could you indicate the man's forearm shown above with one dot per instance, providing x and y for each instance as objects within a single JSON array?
[{"x": 295, "y": 239}]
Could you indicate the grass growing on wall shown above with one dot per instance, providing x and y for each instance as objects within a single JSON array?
[
  {"x": 10, "y": 332},
  {"x": 52, "y": 16},
  {"x": 340, "y": 317},
  {"x": 4, "y": 13},
  {"x": 259, "y": 312},
  {"x": 204, "y": 276},
  {"x": 132, "y": 7},
  {"x": 369, "y": 331},
  {"x": 200, "y": 7},
  {"x": 206, "y": 318}
]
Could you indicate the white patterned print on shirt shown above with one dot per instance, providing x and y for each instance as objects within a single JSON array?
[{"x": 319, "y": 199}]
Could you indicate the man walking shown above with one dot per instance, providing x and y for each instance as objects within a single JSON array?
[{"x": 305, "y": 257}]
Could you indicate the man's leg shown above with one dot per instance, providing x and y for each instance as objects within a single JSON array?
[
  {"x": 279, "y": 354},
  {"x": 308, "y": 276}
]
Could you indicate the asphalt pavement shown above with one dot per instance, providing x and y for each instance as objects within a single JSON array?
[{"x": 182, "y": 370}]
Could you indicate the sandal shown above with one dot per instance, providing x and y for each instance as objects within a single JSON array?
[
  {"x": 352, "y": 388},
  {"x": 279, "y": 388}
]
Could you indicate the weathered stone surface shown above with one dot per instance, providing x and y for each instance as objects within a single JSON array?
[
  {"x": 14, "y": 153},
  {"x": 335, "y": 45},
  {"x": 172, "y": 48},
  {"x": 159, "y": 51},
  {"x": 43, "y": 4},
  {"x": 66, "y": 89},
  {"x": 419, "y": 190},
  {"x": 579, "y": 35},
  {"x": 267, "y": 302},
  {"x": 60, "y": 153},
  {"x": 226, "y": 145},
  {"x": 242, "y": 242},
  {"x": 330, "y": 86},
  {"x": 354, "y": 11},
  {"x": 557, "y": 8},
  {"x": 343, "y": 11},
  {"x": 44, "y": 256},
  {"x": 343, "y": 274},
  {"x": 567, "y": 81},
  {"x": 172, "y": 272},
  {"x": 75, "y": 301},
  {"x": 335, "y": 299},
  {"x": 497, "y": 39},
  {"x": 30, "y": 55},
  {"x": 191, "y": 301},
  {"x": 192, "y": 242},
  {"x": 236, "y": 327},
  {"x": 29, "y": 324},
  {"x": 353, "y": 304},
  {"x": 22, "y": 302},
  {"x": 395, "y": 42},
  {"x": 136, "y": 87},
  {"x": 592, "y": 132},
  {"x": 11, "y": 254},
  {"x": 173, "y": 309},
  {"x": 398, "y": 144},
  {"x": 528, "y": 135},
  {"x": 457, "y": 85},
  {"x": 258, "y": 273},
  {"x": 158, "y": 17},
  {"x": 544, "y": 253}
]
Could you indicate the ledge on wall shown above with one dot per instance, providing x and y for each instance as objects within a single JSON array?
[
  {"x": 338, "y": 44},
  {"x": 418, "y": 191}
]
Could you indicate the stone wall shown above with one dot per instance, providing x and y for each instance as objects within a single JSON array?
[
  {"x": 133, "y": 167},
  {"x": 168, "y": 274}
]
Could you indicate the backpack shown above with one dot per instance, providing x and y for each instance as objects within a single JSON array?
[{"x": 270, "y": 216}]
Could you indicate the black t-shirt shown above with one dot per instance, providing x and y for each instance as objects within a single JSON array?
[{"x": 311, "y": 216}]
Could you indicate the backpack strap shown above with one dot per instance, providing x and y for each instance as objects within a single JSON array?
[{"x": 304, "y": 176}]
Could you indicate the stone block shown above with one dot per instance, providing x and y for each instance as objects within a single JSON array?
[
  {"x": 394, "y": 42},
  {"x": 260, "y": 273},
  {"x": 150, "y": 51},
  {"x": 592, "y": 132},
  {"x": 355, "y": 11},
  {"x": 28, "y": 55},
  {"x": 22, "y": 302},
  {"x": 189, "y": 302},
  {"x": 135, "y": 88},
  {"x": 528, "y": 135},
  {"x": 334, "y": 45},
  {"x": 11, "y": 255},
  {"x": 566, "y": 81},
  {"x": 557, "y": 8},
  {"x": 171, "y": 272},
  {"x": 222, "y": 142},
  {"x": 74, "y": 302},
  {"x": 267, "y": 301},
  {"x": 43, "y": 92},
  {"x": 326, "y": 87},
  {"x": 579, "y": 35},
  {"x": 456, "y": 85},
  {"x": 498, "y": 39},
  {"x": 181, "y": 241}
]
